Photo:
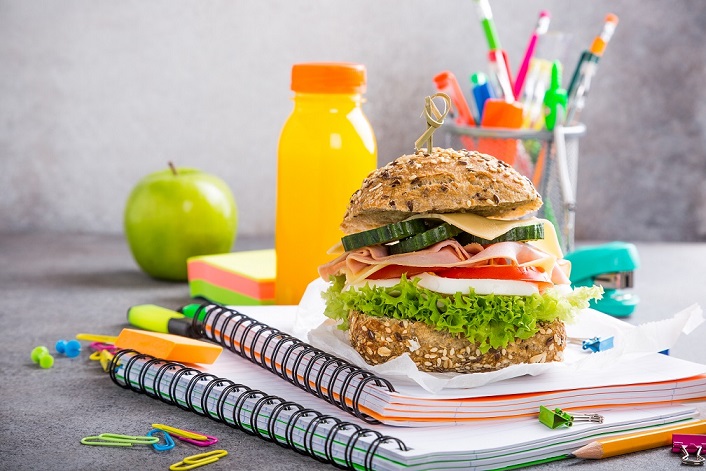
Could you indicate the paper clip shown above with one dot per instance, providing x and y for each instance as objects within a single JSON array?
[
  {"x": 558, "y": 418},
  {"x": 106, "y": 358},
  {"x": 188, "y": 436},
  {"x": 686, "y": 444},
  {"x": 595, "y": 344},
  {"x": 202, "y": 459},
  {"x": 115, "y": 439},
  {"x": 97, "y": 338},
  {"x": 100, "y": 346},
  {"x": 168, "y": 441}
]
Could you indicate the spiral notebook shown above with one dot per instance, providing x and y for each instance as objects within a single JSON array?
[
  {"x": 634, "y": 380},
  {"x": 235, "y": 392}
]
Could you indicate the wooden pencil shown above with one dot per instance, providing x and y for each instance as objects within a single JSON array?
[{"x": 638, "y": 441}]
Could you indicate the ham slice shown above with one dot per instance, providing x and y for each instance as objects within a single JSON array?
[{"x": 359, "y": 264}]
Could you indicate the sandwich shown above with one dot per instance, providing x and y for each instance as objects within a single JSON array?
[{"x": 442, "y": 260}]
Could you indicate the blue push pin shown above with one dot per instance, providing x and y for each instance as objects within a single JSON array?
[{"x": 71, "y": 349}]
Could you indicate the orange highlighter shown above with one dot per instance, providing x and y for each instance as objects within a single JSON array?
[{"x": 446, "y": 82}]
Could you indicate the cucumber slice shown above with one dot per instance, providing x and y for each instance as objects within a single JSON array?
[
  {"x": 425, "y": 239},
  {"x": 384, "y": 234},
  {"x": 517, "y": 234}
]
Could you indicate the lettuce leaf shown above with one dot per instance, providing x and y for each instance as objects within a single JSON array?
[{"x": 490, "y": 321}]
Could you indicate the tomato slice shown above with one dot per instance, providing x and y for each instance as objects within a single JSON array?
[
  {"x": 496, "y": 272},
  {"x": 396, "y": 271}
]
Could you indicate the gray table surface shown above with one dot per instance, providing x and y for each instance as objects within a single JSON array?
[{"x": 54, "y": 286}]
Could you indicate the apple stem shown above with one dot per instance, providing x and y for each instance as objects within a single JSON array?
[{"x": 174, "y": 170}]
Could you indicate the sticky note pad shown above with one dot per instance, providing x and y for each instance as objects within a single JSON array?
[
  {"x": 168, "y": 347},
  {"x": 239, "y": 278}
]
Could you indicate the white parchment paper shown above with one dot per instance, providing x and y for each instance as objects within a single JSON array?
[{"x": 311, "y": 325}]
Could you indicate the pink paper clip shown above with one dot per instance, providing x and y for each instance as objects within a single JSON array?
[
  {"x": 100, "y": 346},
  {"x": 208, "y": 442}
]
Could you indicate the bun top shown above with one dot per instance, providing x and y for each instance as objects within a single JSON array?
[{"x": 445, "y": 181}]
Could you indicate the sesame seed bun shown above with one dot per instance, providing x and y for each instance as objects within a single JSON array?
[{"x": 445, "y": 181}]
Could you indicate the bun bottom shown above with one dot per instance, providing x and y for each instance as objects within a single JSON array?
[{"x": 379, "y": 339}]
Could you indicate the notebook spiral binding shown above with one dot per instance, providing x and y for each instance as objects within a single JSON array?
[
  {"x": 323, "y": 375},
  {"x": 164, "y": 380}
]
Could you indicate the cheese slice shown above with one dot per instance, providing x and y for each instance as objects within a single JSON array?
[{"x": 491, "y": 228}]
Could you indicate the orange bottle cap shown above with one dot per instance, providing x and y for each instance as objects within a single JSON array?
[{"x": 328, "y": 77}]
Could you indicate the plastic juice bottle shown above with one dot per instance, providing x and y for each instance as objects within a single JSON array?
[{"x": 326, "y": 149}]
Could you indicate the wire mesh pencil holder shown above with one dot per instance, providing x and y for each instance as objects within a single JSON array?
[{"x": 548, "y": 158}]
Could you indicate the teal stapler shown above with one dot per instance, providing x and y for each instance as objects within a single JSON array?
[{"x": 611, "y": 266}]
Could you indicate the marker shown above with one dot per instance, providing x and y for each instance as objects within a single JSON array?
[
  {"x": 159, "y": 319},
  {"x": 481, "y": 92},
  {"x": 535, "y": 88},
  {"x": 190, "y": 310},
  {"x": 446, "y": 83},
  {"x": 497, "y": 57},
  {"x": 586, "y": 68},
  {"x": 555, "y": 98},
  {"x": 540, "y": 29}
]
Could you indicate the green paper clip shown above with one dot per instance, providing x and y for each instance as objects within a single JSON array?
[
  {"x": 115, "y": 439},
  {"x": 558, "y": 418}
]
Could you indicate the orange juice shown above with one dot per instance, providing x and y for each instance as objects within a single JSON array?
[{"x": 326, "y": 149}]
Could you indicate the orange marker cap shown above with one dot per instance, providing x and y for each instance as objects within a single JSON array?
[
  {"x": 328, "y": 77},
  {"x": 600, "y": 42}
]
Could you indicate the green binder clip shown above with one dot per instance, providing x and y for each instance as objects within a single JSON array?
[
  {"x": 611, "y": 266},
  {"x": 558, "y": 418}
]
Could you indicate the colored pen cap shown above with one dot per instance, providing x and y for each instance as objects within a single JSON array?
[
  {"x": 328, "y": 77},
  {"x": 600, "y": 42},
  {"x": 479, "y": 78}
]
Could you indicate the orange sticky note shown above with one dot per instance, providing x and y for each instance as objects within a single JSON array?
[{"x": 168, "y": 347}]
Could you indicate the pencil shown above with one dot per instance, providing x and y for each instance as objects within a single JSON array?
[{"x": 638, "y": 441}]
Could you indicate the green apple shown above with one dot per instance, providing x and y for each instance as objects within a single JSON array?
[{"x": 175, "y": 214}]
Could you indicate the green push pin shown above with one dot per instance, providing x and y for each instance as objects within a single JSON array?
[{"x": 41, "y": 356}]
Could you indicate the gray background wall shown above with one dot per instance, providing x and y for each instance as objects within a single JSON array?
[{"x": 94, "y": 94}]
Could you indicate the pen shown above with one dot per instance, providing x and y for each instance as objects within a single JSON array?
[
  {"x": 586, "y": 68},
  {"x": 535, "y": 88},
  {"x": 541, "y": 28},
  {"x": 446, "y": 82},
  {"x": 159, "y": 319},
  {"x": 639, "y": 441},
  {"x": 497, "y": 57},
  {"x": 481, "y": 92}
]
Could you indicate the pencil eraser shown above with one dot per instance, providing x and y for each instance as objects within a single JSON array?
[{"x": 168, "y": 347}]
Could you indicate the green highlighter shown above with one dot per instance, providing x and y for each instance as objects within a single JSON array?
[
  {"x": 159, "y": 319},
  {"x": 612, "y": 266}
]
